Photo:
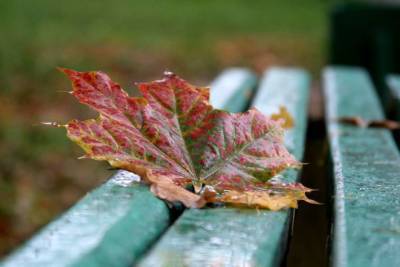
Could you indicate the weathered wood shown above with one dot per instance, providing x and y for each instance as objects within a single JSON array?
[
  {"x": 366, "y": 175},
  {"x": 393, "y": 83},
  {"x": 233, "y": 236},
  {"x": 116, "y": 223}
]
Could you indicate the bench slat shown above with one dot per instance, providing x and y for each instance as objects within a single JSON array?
[
  {"x": 115, "y": 224},
  {"x": 366, "y": 178},
  {"x": 97, "y": 227},
  {"x": 232, "y": 89},
  {"x": 234, "y": 236}
]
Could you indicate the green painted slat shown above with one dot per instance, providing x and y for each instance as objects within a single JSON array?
[
  {"x": 366, "y": 178},
  {"x": 393, "y": 83},
  {"x": 116, "y": 223},
  {"x": 97, "y": 226},
  {"x": 233, "y": 236},
  {"x": 232, "y": 90}
]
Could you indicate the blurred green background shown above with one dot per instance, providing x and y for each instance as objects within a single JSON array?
[{"x": 40, "y": 175}]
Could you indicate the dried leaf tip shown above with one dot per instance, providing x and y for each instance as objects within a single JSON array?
[
  {"x": 66, "y": 71},
  {"x": 64, "y": 91},
  {"x": 169, "y": 74},
  {"x": 61, "y": 69},
  {"x": 52, "y": 123}
]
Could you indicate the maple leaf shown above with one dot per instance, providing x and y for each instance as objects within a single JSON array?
[{"x": 173, "y": 138}]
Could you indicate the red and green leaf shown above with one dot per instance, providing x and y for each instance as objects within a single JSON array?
[{"x": 174, "y": 138}]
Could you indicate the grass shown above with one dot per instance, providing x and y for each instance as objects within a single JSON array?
[{"x": 133, "y": 41}]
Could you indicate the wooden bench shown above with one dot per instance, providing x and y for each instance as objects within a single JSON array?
[
  {"x": 117, "y": 223},
  {"x": 366, "y": 174},
  {"x": 122, "y": 224}
]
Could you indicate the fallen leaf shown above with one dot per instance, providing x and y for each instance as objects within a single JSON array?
[
  {"x": 285, "y": 118},
  {"x": 358, "y": 121},
  {"x": 173, "y": 138},
  {"x": 387, "y": 124}
]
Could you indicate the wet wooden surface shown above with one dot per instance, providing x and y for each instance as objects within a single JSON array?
[
  {"x": 366, "y": 177},
  {"x": 234, "y": 236}
]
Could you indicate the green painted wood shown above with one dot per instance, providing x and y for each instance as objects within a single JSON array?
[
  {"x": 116, "y": 223},
  {"x": 110, "y": 226},
  {"x": 234, "y": 236},
  {"x": 393, "y": 83},
  {"x": 366, "y": 175},
  {"x": 232, "y": 89}
]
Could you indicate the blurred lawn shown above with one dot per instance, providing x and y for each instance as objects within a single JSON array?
[{"x": 132, "y": 41}]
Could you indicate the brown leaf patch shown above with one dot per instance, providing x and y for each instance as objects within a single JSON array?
[
  {"x": 360, "y": 122},
  {"x": 284, "y": 116}
]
